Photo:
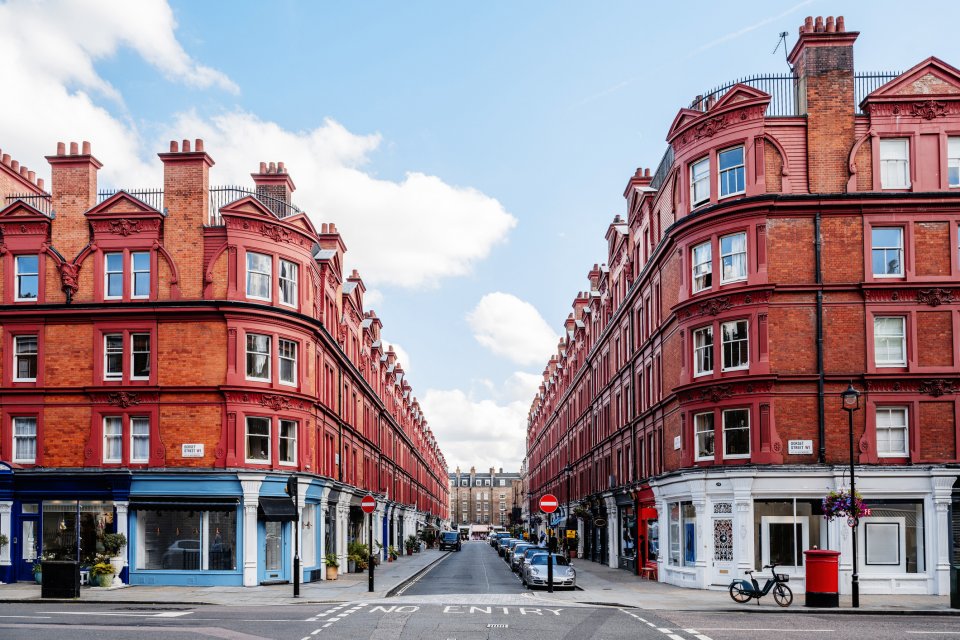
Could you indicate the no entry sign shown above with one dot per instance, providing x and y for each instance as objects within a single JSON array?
[
  {"x": 368, "y": 504},
  {"x": 549, "y": 503}
]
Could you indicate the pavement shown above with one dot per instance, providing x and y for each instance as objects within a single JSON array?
[{"x": 599, "y": 585}]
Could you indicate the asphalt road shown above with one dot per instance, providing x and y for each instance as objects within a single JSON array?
[{"x": 476, "y": 568}]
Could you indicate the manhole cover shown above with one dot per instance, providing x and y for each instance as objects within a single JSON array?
[{"x": 497, "y": 626}]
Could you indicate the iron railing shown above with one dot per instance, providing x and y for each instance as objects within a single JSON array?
[
  {"x": 40, "y": 202},
  {"x": 866, "y": 83},
  {"x": 222, "y": 196},
  {"x": 781, "y": 87},
  {"x": 150, "y": 197},
  {"x": 662, "y": 169}
]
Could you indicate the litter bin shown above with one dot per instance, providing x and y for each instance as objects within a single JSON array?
[
  {"x": 823, "y": 578},
  {"x": 955, "y": 586},
  {"x": 61, "y": 579}
]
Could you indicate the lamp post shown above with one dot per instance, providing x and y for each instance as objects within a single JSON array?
[
  {"x": 851, "y": 403},
  {"x": 568, "y": 469}
]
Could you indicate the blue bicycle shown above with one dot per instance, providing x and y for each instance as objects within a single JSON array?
[{"x": 743, "y": 590}]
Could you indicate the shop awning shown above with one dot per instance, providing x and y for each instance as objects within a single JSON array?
[
  {"x": 161, "y": 503},
  {"x": 624, "y": 499},
  {"x": 556, "y": 521},
  {"x": 276, "y": 510}
]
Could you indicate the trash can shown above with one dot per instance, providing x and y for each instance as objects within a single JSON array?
[
  {"x": 955, "y": 586},
  {"x": 823, "y": 578},
  {"x": 61, "y": 579}
]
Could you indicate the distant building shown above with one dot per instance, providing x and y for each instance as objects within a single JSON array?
[{"x": 483, "y": 498}]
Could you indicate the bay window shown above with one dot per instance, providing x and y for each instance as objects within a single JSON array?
[
  {"x": 287, "y": 354},
  {"x": 736, "y": 345},
  {"x": 733, "y": 257},
  {"x": 704, "y": 435},
  {"x": 258, "y": 439},
  {"x": 703, "y": 351},
  {"x": 732, "y": 180},
  {"x": 702, "y": 267},
  {"x": 288, "y": 442},
  {"x": 288, "y": 283},
  {"x": 258, "y": 357},
  {"x": 700, "y": 182},
  {"x": 736, "y": 433},
  {"x": 259, "y": 276}
]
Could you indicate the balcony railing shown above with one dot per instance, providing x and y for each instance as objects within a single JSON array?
[
  {"x": 150, "y": 197},
  {"x": 662, "y": 169},
  {"x": 41, "y": 203},
  {"x": 782, "y": 89},
  {"x": 222, "y": 196}
]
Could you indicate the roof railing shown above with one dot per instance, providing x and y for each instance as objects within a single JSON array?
[
  {"x": 40, "y": 202},
  {"x": 150, "y": 197},
  {"x": 223, "y": 195}
]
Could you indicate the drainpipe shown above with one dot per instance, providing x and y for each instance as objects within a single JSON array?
[
  {"x": 633, "y": 437},
  {"x": 340, "y": 424},
  {"x": 821, "y": 427}
]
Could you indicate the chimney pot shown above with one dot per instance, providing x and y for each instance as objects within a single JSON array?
[
  {"x": 73, "y": 148},
  {"x": 840, "y": 26},
  {"x": 185, "y": 146},
  {"x": 198, "y": 145},
  {"x": 807, "y": 24},
  {"x": 818, "y": 25},
  {"x": 5, "y": 159},
  {"x": 24, "y": 170},
  {"x": 646, "y": 172},
  {"x": 85, "y": 147},
  {"x": 174, "y": 147},
  {"x": 61, "y": 149},
  {"x": 263, "y": 167},
  {"x": 280, "y": 168},
  {"x": 272, "y": 168},
  {"x": 40, "y": 183},
  {"x": 15, "y": 165},
  {"x": 831, "y": 28},
  {"x": 32, "y": 176}
]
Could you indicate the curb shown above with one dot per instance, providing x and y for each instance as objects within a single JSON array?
[
  {"x": 151, "y": 603},
  {"x": 802, "y": 610},
  {"x": 419, "y": 574}
]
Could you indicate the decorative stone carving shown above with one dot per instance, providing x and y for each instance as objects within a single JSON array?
[
  {"x": 275, "y": 402},
  {"x": 124, "y": 227},
  {"x": 715, "y": 305},
  {"x": 69, "y": 279},
  {"x": 123, "y": 399},
  {"x": 722, "y": 507},
  {"x": 934, "y": 297},
  {"x": 723, "y": 540},
  {"x": 938, "y": 387},
  {"x": 716, "y": 392},
  {"x": 928, "y": 109},
  {"x": 275, "y": 232}
]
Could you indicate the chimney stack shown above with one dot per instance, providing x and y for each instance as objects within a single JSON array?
[
  {"x": 73, "y": 179},
  {"x": 186, "y": 197},
  {"x": 822, "y": 60},
  {"x": 274, "y": 182}
]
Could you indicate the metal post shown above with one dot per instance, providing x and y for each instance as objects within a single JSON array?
[
  {"x": 549, "y": 570},
  {"x": 370, "y": 564},
  {"x": 855, "y": 578},
  {"x": 569, "y": 514},
  {"x": 296, "y": 557}
]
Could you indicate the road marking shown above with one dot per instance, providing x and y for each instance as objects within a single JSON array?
[
  {"x": 951, "y": 633},
  {"x": 777, "y": 630},
  {"x": 697, "y": 634},
  {"x": 29, "y": 617},
  {"x": 166, "y": 614},
  {"x": 420, "y": 577}
]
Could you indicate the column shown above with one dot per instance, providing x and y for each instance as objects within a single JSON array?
[
  {"x": 321, "y": 524},
  {"x": 343, "y": 522},
  {"x": 302, "y": 485},
  {"x": 378, "y": 516},
  {"x": 939, "y": 521},
  {"x": 743, "y": 542},
  {"x": 613, "y": 519},
  {"x": 5, "y": 509},
  {"x": 251, "y": 500},
  {"x": 122, "y": 527},
  {"x": 703, "y": 551}
]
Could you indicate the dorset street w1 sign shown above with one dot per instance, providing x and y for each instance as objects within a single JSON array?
[{"x": 549, "y": 503}]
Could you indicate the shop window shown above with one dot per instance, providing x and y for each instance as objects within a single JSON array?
[
  {"x": 891, "y": 425},
  {"x": 732, "y": 177},
  {"x": 887, "y": 251},
  {"x": 628, "y": 533},
  {"x": 259, "y": 276},
  {"x": 71, "y": 529},
  {"x": 704, "y": 434},
  {"x": 703, "y": 351},
  {"x": 892, "y": 538},
  {"x": 28, "y": 277},
  {"x": 735, "y": 345},
  {"x": 683, "y": 534},
  {"x": 890, "y": 341},
  {"x": 894, "y": 163},
  {"x": 25, "y": 439},
  {"x": 736, "y": 433},
  {"x": 25, "y": 354},
  {"x": 187, "y": 540},
  {"x": 786, "y": 528},
  {"x": 733, "y": 258}
]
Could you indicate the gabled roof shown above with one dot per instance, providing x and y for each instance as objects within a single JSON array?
[
  {"x": 932, "y": 78},
  {"x": 122, "y": 204}
]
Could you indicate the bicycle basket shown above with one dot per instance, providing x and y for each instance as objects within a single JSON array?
[{"x": 782, "y": 577}]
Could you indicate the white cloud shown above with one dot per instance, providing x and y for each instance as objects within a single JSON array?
[
  {"x": 482, "y": 432},
  {"x": 372, "y": 298},
  {"x": 402, "y": 357},
  {"x": 512, "y": 328}
]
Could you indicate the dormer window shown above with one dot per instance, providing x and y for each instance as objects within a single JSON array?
[
  {"x": 28, "y": 277},
  {"x": 732, "y": 180},
  {"x": 894, "y": 163},
  {"x": 700, "y": 182},
  {"x": 259, "y": 275}
]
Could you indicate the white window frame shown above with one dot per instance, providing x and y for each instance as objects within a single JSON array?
[
  {"x": 698, "y": 180},
  {"x": 108, "y": 437},
  {"x": 134, "y": 272},
  {"x": 107, "y": 374},
  {"x": 246, "y": 439},
  {"x": 268, "y": 275},
  {"x": 735, "y": 456},
  {"x": 898, "y": 248},
  {"x": 741, "y": 168},
  {"x": 703, "y": 269},
  {"x": 17, "y": 355},
  {"x": 18, "y": 274},
  {"x": 902, "y": 362},
  {"x": 708, "y": 349},
  {"x": 292, "y": 269},
  {"x": 953, "y": 160},
  {"x": 139, "y": 421},
  {"x": 746, "y": 265},
  {"x": 904, "y": 427},
  {"x": 134, "y": 352},
  {"x": 894, "y": 166},
  {"x": 24, "y": 436},
  {"x": 292, "y": 441},
  {"x": 281, "y": 358},
  {"x": 247, "y": 353},
  {"x": 107, "y": 273},
  {"x": 794, "y": 520},
  {"x": 723, "y": 346},
  {"x": 698, "y": 431}
]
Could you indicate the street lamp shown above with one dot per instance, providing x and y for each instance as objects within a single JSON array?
[
  {"x": 568, "y": 469},
  {"x": 851, "y": 403}
]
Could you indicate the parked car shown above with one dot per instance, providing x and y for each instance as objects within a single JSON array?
[
  {"x": 498, "y": 539},
  {"x": 535, "y": 572},
  {"x": 528, "y": 553},
  {"x": 450, "y": 540},
  {"x": 508, "y": 553},
  {"x": 517, "y": 553},
  {"x": 502, "y": 547}
]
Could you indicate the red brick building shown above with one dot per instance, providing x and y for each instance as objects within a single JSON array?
[
  {"x": 800, "y": 234},
  {"x": 171, "y": 357}
]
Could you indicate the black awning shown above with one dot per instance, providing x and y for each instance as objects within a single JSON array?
[
  {"x": 623, "y": 499},
  {"x": 333, "y": 496},
  {"x": 276, "y": 510},
  {"x": 161, "y": 503}
]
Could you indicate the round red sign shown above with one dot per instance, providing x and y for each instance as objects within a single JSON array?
[
  {"x": 368, "y": 504},
  {"x": 549, "y": 503}
]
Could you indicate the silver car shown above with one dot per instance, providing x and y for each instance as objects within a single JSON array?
[
  {"x": 517, "y": 553},
  {"x": 535, "y": 572},
  {"x": 527, "y": 554}
]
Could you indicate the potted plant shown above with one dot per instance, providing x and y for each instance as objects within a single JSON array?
[
  {"x": 357, "y": 553},
  {"x": 410, "y": 543},
  {"x": 112, "y": 545},
  {"x": 581, "y": 512},
  {"x": 392, "y": 553},
  {"x": 572, "y": 545},
  {"x": 4, "y": 541},
  {"x": 38, "y": 571},
  {"x": 102, "y": 573},
  {"x": 332, "y": 565}
]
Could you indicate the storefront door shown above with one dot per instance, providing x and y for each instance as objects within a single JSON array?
[
  {"x": 722, "y": 550},
  {"x": 27, "y": 541},
  {"x": 273, "y": 553}
]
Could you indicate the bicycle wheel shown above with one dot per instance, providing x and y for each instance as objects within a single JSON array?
[
  {"x": 782, "y": 595},
  {"x": 738, "y": 594}
]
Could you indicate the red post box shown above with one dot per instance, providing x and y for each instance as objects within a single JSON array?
[{"x": 823, "y": 578}]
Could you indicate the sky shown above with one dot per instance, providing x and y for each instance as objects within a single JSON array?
[{"x": 472, "y": 155}]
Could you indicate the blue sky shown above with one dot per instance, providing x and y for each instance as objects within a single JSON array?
[{"x": 488, "y": 143}]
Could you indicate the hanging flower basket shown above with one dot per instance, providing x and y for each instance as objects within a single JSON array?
[
  {"x": 840, "y": 504},
  {"x": 581, "y": 512}
]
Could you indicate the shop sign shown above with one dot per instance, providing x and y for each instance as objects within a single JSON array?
[
  {"x": 191, "y": 450},
  {"x": 600, "y": 522},
  {"x": 799, "y": 447},
  {"x": 676, "y": 443},
  {"x": 571, "y": 533}
]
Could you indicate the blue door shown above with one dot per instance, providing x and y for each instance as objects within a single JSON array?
[
  {"x": 274, "y": 551},
  {"x": 26, "y": 541}
]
